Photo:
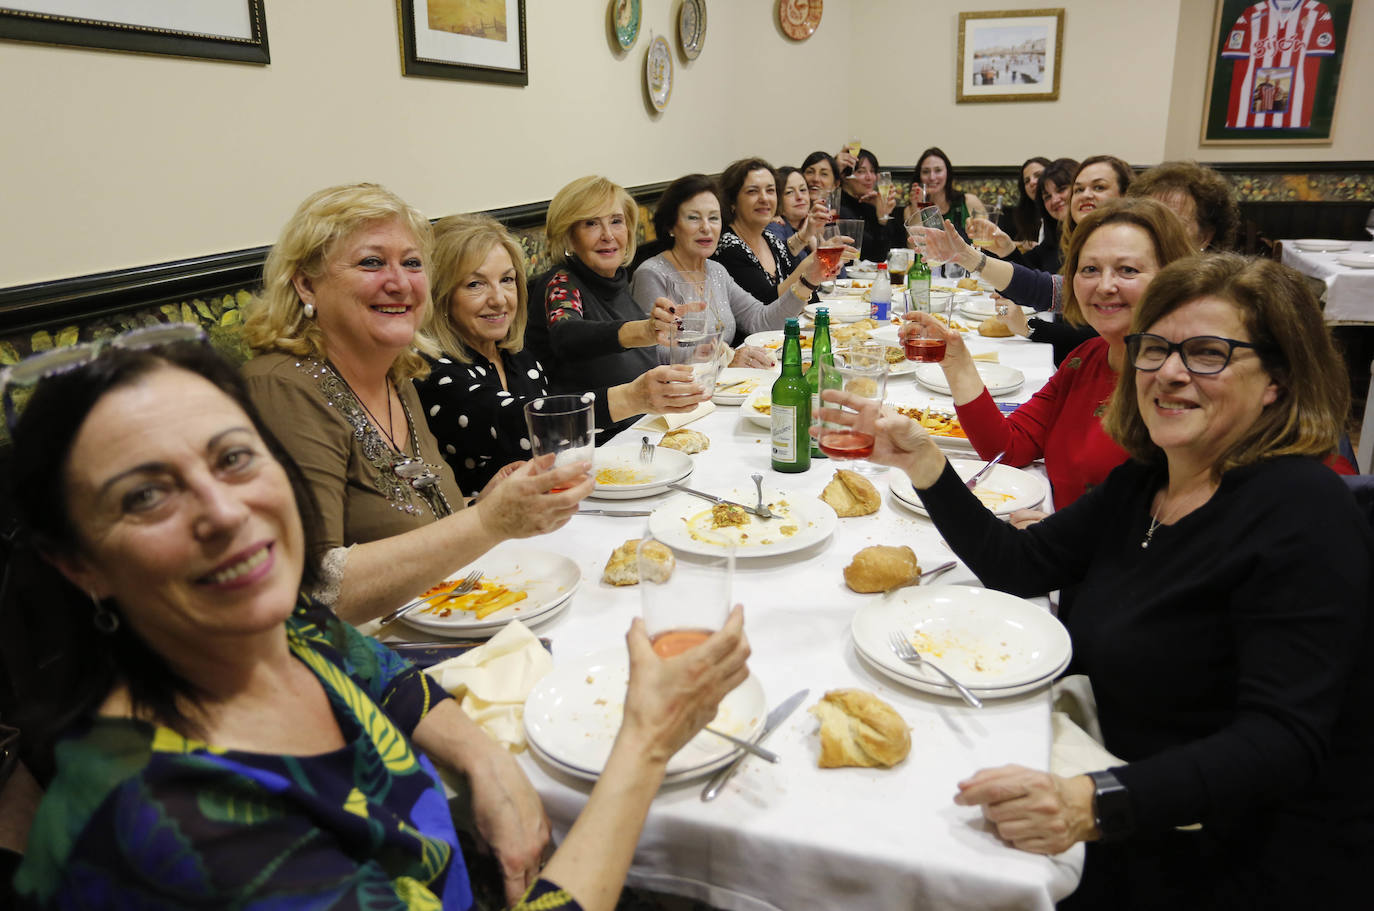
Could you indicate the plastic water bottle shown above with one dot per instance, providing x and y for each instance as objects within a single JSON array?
[{"x": 880, "y": 296}]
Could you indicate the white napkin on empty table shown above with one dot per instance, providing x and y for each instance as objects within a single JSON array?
[{"x": 492, "y": 681}]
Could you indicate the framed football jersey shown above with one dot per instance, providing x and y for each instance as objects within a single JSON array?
[{"x": 1275, "y": 71}]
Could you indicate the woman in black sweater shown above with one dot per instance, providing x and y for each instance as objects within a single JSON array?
[{"x": 1224, "y": 583}]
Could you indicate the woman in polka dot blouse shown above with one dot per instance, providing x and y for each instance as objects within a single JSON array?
[{"x": 475, "y": 393}]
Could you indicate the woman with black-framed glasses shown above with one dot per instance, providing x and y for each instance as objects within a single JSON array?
[{"x": 1223, "y": 581}]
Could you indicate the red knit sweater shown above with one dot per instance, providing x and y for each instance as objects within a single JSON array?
[{"x": 1062, "y": 423}]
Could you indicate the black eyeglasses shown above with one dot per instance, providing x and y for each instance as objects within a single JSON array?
[
  {"x": 1202, "y": 355},
  {"x": 36, "y": 368}
]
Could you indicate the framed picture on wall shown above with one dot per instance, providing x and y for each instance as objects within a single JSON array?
[
  {"x": 474, "y": 40},
  {"x": 1009, "y": 56},
  {"x": 217, "y": 29},
  {"x": 1275, "y": 68}
]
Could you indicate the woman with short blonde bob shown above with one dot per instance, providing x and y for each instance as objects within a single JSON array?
[
  {"x": 337, "y": 334},
  {"x": 475, "y": 392},
  {"x": 588, "y": 331},
  {"x": 1223, "y": 579}
]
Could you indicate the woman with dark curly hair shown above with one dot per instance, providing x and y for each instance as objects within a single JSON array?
[{"x": 1201, "y": 197}]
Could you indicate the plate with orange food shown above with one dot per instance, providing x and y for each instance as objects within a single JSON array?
[
  {"x": 618, "y": 474},
  {"x": 517, "y": 583},
  {"x": 944, "y": 426}
]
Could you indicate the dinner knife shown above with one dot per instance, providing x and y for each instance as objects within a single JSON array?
[
  {"x": 775, "y": 718},
  {"x": 752, "y": 510},
  {"x": 613, "y": 512}
]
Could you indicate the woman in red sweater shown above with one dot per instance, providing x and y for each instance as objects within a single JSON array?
[{"x": 1114, "y": 253}]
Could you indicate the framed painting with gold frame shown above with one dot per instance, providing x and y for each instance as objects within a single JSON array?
[
  {"x": 472, "y": 40},
  {"x": 1009, "y": 56},
  {"x": 216, "y": 29}
]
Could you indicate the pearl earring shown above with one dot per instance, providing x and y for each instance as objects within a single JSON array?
[{"x": 309, "y": 309}]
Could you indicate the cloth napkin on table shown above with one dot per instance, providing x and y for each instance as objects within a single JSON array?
[
  {"x": 991, "y": 357},
  {"x": 666, "y": 422},
  {"x": 492, "y": 681},
  {"x": 1077, "y": 738}
]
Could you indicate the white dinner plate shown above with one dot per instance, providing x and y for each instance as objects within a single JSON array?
[
  {"x": 548, "y": 580},
  {"x": 984, "y": 307},
  {"x": 1003, "y": 490},
  {"x": 772, "y": 340},
  {"x": 573, "y": 714},
  {"x": 864, "y": 272},
  {"x": 619, "y": 475},
  {"x": 804, "y": 520},
  {"x": 1356, "y": 260},
  {"x": 1322, "y": 246},
  {"x": 750, "y": 380},
  {"x": 999, "y": 378},
  {"x": 752, "y": 414},
  {"x": 842, "y": 309},
  {"x": 993, "y": 643}
]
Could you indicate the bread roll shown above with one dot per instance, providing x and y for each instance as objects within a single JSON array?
[
  {"x": 859, "y": 729},
  {"x": 967, "y": 283},
  {"x": 685, "y": 440},
  {"x": 851, "y": 494},
  {"x": 881, "y": 568},
  {"x": 623, "y": 566},
  {"x": 992, "y": 327}
]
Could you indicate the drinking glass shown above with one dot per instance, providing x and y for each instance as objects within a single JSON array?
[
  {"x": 852, "y": 228},
  {"x": 899, "y": 260},
  {"x": 927, "y": 345},
  {"x": 919, "y": 219},
  {"x": 860, "y": 369},
  {"x": 684, "y": 597},
  {"x": 831, "y": 250},
  {"x": 832, "y": 202},
  {"x": 563, "y": 425}
]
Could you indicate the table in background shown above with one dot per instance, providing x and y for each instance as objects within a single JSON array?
[
  {"x": 794, "y": 836},
  {"x": 1349, "y": 295}
]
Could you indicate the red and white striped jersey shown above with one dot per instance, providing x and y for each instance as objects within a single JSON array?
[{"x": 1277, "y": 46}]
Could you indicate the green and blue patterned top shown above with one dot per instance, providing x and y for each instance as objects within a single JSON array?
[{"x": 139, "y": 816}]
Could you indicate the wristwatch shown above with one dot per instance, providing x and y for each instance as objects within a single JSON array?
[{"x": 1112, "y": 811}]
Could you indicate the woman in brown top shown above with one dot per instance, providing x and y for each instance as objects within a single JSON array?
[{"x": 344, "y": 295}]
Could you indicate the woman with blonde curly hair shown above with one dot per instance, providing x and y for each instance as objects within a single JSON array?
[
  {"x": 476, "y": 389},
  {"x": 337, "y": 331}
]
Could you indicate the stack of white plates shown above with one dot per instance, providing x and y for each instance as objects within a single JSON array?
[
  {"x": 619, "y": 475},
  {"x": 996, "y": 644},
  {"x": 1003, "y": 490},
  {"x": 1357, "y": 260},
  {"x": 573, "y": 714},
  {"x": 999, "y": 378},
  {"x": 547, "y": 579}
]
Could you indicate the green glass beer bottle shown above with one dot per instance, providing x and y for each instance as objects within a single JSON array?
[
  {"x": 918, "y": 285},
  {"x": 820, "y": 354},
  {"x": 791, "y": 410}
]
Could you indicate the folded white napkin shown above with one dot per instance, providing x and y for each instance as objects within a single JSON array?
[
  {"x": 666, "y": 422},
  {"x": 492, "y": 681}
]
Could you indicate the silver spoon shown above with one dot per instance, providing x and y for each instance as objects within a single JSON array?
[{"x": 761, "y": 510}]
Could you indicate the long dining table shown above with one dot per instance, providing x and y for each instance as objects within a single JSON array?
[{"x": 792, "y": 835}]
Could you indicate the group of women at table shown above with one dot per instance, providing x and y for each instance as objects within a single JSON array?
[{"x": 217, "y": 532}]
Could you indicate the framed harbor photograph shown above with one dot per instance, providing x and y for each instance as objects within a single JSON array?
[
  {"x": 218, "y": 29},
  {"x": 1274, "y": 71},
  {"x": 475, "y": 40},
  {"x": 1009, "y": 56}
]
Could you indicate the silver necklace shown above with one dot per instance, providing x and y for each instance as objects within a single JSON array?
[{"x": 1150, "y": 532}]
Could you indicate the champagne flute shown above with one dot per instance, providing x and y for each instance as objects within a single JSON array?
[{"x": 684, "y": 597}]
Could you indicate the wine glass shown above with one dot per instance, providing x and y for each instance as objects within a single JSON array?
[
  {"x": 861, "y": 369},
  {"x": 684, "y": 597}
]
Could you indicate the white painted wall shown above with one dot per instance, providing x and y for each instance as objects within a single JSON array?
[{"x": 110, "y": 160}]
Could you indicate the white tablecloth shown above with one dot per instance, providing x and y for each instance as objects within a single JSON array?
[
  {"x": 793, "y": 836},
  {"x": 1349, "y": 296}
]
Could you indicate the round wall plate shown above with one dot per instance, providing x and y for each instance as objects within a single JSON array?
[
  {"x": 625, "y": 16},
  {"x": 799, "y": 18},
  {"x": 691, "y": 27},
  {"x": 658, "y": 73}
]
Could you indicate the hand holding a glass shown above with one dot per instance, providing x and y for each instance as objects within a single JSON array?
[
  {"x": 898, "y": 441},
  {"x": 685, "y": 597},
  {"x": 985, "y": 233},
  {"x": 859, "y": 369},
  {"x": 930, "y": 340},
  {"x": 562, "y": 426},
  {"x": 937, "y": 241}
]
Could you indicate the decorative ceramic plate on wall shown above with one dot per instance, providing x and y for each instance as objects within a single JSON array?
[
  {"x": 625, "y": 21},
  {"x": 691, "y": 27},
  {"x": 799, "y": 18},
  {"x": 658, "y": 73}
]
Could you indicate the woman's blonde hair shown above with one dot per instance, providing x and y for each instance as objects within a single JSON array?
[
  {"x": 461, "y": 244},
  {"x": 1284, "y": 323},
  {"x": 276, "y": 319},
  {"x": 586, "y": 197},
  {"x": 1158, "y": 221}
]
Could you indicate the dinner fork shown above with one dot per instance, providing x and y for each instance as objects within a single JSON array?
[
  {"x": 761, "y": 510},
  {"x": 903, "y": 649},
  {"x": 468, "y": 584},
  {"x": 646, "y": 451}
]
